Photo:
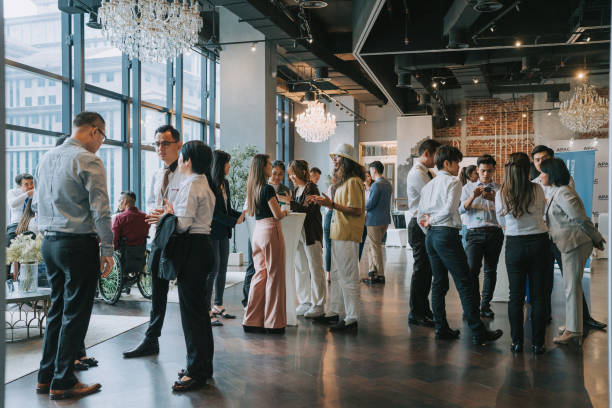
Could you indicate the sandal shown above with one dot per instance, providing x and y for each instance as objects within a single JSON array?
[
  {"x": 89, "y": 361},
  {"x": 79, "y": 366},
  {"x": 222, "y": 313}
]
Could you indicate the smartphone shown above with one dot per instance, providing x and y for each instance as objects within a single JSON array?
[{"x": 488, "y": 189}]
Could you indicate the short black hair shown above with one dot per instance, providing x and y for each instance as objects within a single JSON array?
[
  {"x": 430, "y": 145},
  {"x": 486, "y": 159},
  {"x": 169, "y": 128},
  {"x": 380, "y": 168},
  {"x": 23, "y": 176},
  {"x": 315, "y": 170},
  {"x": 87, "y": 118},
  {"x": 200, "y": 155},
  {"x": 279, "y": 163},
  {"x": 557, "y": 171},
  {"x": 447, "y": 152},
  {"x": 129, "y": 194},
  {"x": 542, "y": 148},
  {"x": 60, "y": 140}
]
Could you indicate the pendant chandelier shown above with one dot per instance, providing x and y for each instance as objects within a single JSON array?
[
  {"x": 585, "y": 111},
  {"x": 315, "y": 125},
  {"x": 151, "y": 30}
]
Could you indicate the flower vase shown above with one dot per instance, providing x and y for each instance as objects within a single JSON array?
[{"x": 28, "y": 277}]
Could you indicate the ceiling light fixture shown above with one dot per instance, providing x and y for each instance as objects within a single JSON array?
[
  {"x": 549, "y": 113},
  {"x": 580, "y": 75},
  {"x": 571, "y": 141},
  {"x": 310, "y": 40},
  {"x": 585, "y": 111},
  {"x": 313, "y": 4},
  {"x": 434, "y": 85},
  {"x": 314, "y": 125},
  {"x": 254, "y": 47},
  {"x": 460, "y": 119},
  {"x": 588, "y": 39},
  {"x": 475, "y": 80},
  {"x": 518, "y": 43},
  {"x": 492, "y": 28}
]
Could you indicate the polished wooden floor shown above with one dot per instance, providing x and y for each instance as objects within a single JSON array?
[{"x": 387, "y": 364}]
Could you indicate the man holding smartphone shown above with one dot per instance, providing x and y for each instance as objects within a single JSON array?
[{"x": 485, "y": 238}]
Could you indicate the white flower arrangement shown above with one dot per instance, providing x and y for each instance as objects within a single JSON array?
[{"x": 25, "y": 249}]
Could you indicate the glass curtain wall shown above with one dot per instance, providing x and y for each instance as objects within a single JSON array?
[{"x": 49, "y": 79}]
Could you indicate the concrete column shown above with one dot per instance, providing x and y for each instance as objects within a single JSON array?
[{"x": 247, "y": 87}]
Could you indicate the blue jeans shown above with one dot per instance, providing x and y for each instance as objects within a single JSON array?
[
  {"x": 446, "y": 255},
  {"x": 326, "y": 227}
]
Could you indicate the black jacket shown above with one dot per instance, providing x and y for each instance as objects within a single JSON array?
[
  {"x": 167, "y": 249},
  {"x": 313, "y": 224},
  {"x": 224, "y": 219}
]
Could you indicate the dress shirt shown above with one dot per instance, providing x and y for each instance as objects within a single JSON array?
[
  {"x": 418, "y": 176},
  {"x": 71, "y": 194},
  {"x": 175, "y": 180},
  {"x": 549, "y": 190},
  {"x": 130, "y": 224},
  {"x": 16, "y": 202},
  {"x": 530, "y": 223},
  {"x": 194, "y": 205},
  {"x": 482, "y": 212},
  {"x": 440, "y": 200}
]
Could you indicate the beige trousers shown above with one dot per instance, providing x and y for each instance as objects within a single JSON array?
[
  {"x": 309, "y": 275},
  {"x": 375, "y": 249},
  {"x": 573, "y": 269}
]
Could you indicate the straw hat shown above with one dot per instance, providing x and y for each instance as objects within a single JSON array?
[{"x": 344, "y": 150}]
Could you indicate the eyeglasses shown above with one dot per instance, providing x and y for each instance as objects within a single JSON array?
[
  {"x": 163, "y": 143},
  {"x": 102, "y": 133}
]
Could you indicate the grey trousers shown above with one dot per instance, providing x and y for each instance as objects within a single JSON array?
[{"x": 573, "y": 269}]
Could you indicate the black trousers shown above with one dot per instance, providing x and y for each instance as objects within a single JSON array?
[
  {"x": 528, "y": 256},
  {"x": 246, "y": 286},
  {"x": 484, "y": 243},
  {"x": 446, "y": 255},
  {"x": 420, "y": 283},
  {"x": 159, "y": 301},
  {"x": 217, "y": 277},
  {"x": 194, "y": 308},
  {"x": 557, "y": 256},
  {"x": 73, "y": 266}
]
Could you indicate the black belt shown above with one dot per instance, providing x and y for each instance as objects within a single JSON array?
[
  {"x": 59, "y": 234},
  {"x": 484, "y": 229}
]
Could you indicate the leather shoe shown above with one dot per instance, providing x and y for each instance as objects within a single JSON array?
[
  {"x": 147, "y": 347},
  {"x": 342, "y": 326},
  {"x": 516, "y": 347},
  {"x": 42, "y": 388},
  {"x": 594, "y": 324},
  {"x": 280, "y": 330},
  {"x": 424, "y": 321},
  {"x": 537, "y": 350},
  {"x": 447, "y": 334},
  {"x": 327, "y": 319},
  {"x": 486, "y": 311},
  {"x": 78, "y": 390},
  {"x": 487, "y": 336}
]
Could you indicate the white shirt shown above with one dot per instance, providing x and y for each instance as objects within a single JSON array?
[
  {"x": 175, "y": 180},
  {"x": 548, "y": 190},
  {"x": 482, "y": 211},
  {"x": 440, "y": 199},
  {"x": 16, "y": 200},
  {"x": 194, "y": 205},
  {"x": 416, "y": 180},
  {"x": 529, "y": 223}
]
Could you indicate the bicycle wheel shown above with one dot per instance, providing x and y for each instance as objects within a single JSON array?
[
  {"x": 110, "y": 287},
  {"x": 145, "y": 284}
]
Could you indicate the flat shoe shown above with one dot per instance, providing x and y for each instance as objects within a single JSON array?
[
  {"x": 216, "y": 323},
  {"x": 222, "y": 313},
  {"x": 89, "y": 361}
]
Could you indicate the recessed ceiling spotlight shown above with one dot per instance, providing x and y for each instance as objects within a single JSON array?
[
  {"x": 481, "y": 118},
  {"x": 549, "y": 113},
  {"x": 580, "y": 75},
  {"x": 434, "y": 85},
  {"x": 518, "y": 43},
  {"x": 588, "y": 39},
  {"x": 310, "y": 40},
  {"x": 492, "y": 28},
  {"x": 524, "y": 115},
  {"x": 460, "y": 119},
  {"x": 475, "y": 80},
  {"x": 254, "y": 47},
  {"x": 443, "y": 82},
  {"x": 313, "y": 3}
]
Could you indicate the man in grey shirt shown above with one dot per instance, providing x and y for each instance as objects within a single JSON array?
[{"x": 73, "y": 213}]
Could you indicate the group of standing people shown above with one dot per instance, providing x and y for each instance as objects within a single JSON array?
[{"x": 537, "y": 218}]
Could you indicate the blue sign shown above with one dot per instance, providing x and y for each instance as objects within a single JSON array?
[{"x": 581, "y": 166}]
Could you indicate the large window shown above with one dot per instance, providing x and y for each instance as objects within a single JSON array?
[
  {"x": 102, "y": 61},
  {"x": 110, "y": 109}
]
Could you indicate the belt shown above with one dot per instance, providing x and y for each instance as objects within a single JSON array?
[
  {"x": 484, "y": 229},
  {"x": 59, "y": 234}
]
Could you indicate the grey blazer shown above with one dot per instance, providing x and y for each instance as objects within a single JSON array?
[{"x": 569, "y": 227}]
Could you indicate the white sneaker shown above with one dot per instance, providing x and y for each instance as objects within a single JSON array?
[
  {"x": 301, "y": 309},
  {"x": 314, "y": 312}
]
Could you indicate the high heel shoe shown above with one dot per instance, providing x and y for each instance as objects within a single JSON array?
[{"x": 568, "y": 337}]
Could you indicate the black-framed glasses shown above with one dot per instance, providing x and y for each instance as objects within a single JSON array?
[
  {"x": 164, "y": 143},
  {"x": 102, "y": 133}
]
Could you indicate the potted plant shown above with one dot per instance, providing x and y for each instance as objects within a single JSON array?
[
  {"x": 237, "y": 179},
  {"x": 25, "y": 249}
]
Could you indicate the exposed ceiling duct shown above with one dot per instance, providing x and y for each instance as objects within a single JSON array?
[{"x": 487, "y": 6}]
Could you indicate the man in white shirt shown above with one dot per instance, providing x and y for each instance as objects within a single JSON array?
[
  {"x": 539, "y": 154},
  {"x": 165, "y": 185},
  {"x": 420, "y": 285},
  {"x": 439, "y": 213},
  {"x": 17, "y": 198},
  {"x": 484, "y": 237}
]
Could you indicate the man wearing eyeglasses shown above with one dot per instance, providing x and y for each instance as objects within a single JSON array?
[
  {"x": 164, "y": 186},
  {"x": 73, "y": 213}
]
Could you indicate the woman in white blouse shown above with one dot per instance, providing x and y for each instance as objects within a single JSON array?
[
  {"x": 520, "y": 206},
  {"x": 575, "y": 236},
  {"x": 194, "y": 206}
]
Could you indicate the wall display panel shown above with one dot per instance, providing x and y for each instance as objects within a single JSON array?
[
  {"x": 32, "y": 31},
  {"x": 102, "y": 61},
  {"x": 32, "y": 100},
  {"x": 110, "y": 109}
]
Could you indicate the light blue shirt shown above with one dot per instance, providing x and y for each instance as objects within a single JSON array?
[
  {"x": 530, "y": 223},
  {"x": 378, "y": 203},
  {"x": 70, "y": 193},
  {"x": 482, "y": 212}
]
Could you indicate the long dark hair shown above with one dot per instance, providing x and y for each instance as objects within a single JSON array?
[
  {"x": 348, "y": 169},
  {"x": 220, "y": 159},
  {"x": 465, "y": 173},
  {"x": 517, "y": 191}
]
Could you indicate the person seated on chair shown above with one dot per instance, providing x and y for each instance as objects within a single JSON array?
[{"x": 130, "y": 229}]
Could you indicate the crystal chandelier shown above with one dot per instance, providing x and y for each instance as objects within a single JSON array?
[
  {"x": 585, "y": 111},
  {"x": 151, "y": 30},
  {"x": 315, "y": 125}
]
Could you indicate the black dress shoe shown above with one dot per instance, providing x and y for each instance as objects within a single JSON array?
[
  {"x": 148, "y": 347},
  {"x": 423, "y": 321},
  {"x": 327, "y": 319},
  {"x": 516, "y": 347},
  {"x": 486, "y": 337},
  {"x": 594, "y": 324},
  {"x": 253, "y": 329},
  {"x": 280, "y": 330},
  {"x": 537, "y": 350},
  {"x": 342, "y": 326},
  {"x": 486, "y": 311},
  {"x": 188, "y": 385},
  {"x": 447, "y": 334}
]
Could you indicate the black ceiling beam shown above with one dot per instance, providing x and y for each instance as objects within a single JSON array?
[{"x": 506, "y": 89}]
